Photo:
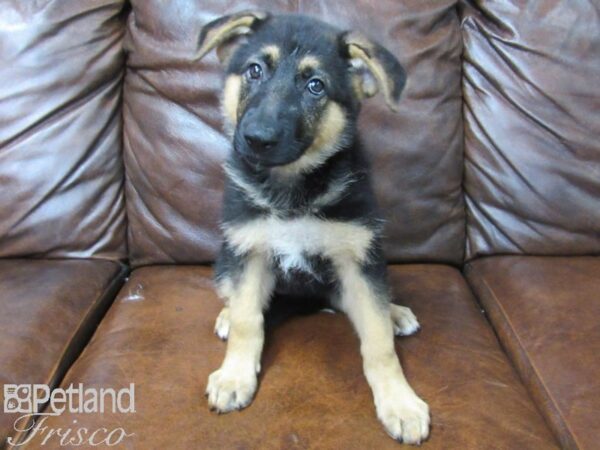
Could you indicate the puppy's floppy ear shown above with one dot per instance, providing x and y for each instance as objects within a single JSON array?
[
  {"x": 222, "y": 32},
  {"x": 374, "y": 68}
]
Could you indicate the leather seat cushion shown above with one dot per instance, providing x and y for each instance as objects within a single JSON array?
[
  {"x": 48, "y": 311},
  {"x": 312, "y": 394},
  {"x": 546, "y": 311}
]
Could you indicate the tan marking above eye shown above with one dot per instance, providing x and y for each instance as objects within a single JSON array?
[
  {"x": 272, "y": 52},
  {"x": 308, "y": 63}
]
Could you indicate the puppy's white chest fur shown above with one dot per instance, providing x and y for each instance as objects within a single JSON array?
[{"x": 290, "y": 241}]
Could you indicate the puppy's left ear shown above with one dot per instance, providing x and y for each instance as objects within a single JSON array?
[
  {"x": 374, "y": 68},
  {"x": 224, "y": 31}
]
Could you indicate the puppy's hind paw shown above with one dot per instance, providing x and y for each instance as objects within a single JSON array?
[
  {"x": 404, "y": 321},
  {"x": 222, "y": 324}
]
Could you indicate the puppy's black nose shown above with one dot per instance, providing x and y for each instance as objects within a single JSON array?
[{"x": 261, "y": 139}]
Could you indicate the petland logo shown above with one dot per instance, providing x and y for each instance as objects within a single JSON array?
[{"x": 28, "y": 399}]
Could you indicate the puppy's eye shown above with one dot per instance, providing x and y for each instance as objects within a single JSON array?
[
  {"x": 315, "y": 86},
  {"x": 254, "y": 72}
]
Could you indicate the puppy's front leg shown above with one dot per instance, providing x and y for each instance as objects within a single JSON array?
[
  {"x": 403, "y": 414},
  {"x": 233, "y": 385}
]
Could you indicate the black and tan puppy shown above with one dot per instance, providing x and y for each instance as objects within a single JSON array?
[{"x": 299, "y": 216}]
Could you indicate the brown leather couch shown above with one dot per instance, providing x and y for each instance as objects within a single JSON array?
[{"x": 489, "y": 176}]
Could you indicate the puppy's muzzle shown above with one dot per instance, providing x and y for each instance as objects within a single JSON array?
[{"x": 260, "y": 138}]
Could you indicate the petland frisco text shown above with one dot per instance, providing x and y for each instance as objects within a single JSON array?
[{"x": 29, "y": 400}]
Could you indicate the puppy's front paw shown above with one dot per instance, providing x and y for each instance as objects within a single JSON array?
[
  {"x": 404, "y": 415},
  {"x": 405, "y": 322},
  {"x": 228, "y": 390}
]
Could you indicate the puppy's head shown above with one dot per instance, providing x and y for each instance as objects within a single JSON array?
[{"x": 294, "y": 85}]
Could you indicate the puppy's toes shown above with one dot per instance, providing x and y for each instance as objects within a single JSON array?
[
  {"x": 405, "y": 322},
  {"x": 222, "y": 324},
  {"x": 228, "y": 390},
  {"x": 405, "y": 417}
]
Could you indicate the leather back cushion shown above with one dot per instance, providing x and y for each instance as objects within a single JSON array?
[
  {"x": 532, "y": 127},
  {"x": 60, "y": 129},
  {"x": 174, "y": 145}
]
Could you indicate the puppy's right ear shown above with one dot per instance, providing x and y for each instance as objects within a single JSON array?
[{"x": 223, "y": 32}]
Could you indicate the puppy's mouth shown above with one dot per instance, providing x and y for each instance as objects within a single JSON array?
[
  {"x": 255, "y": 161},
  {"x": 275, "y": 157}
]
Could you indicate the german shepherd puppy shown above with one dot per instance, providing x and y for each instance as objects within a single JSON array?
[{"x": 299, "y": 216}]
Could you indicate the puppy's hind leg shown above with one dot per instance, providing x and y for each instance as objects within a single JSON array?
[
  {"x": 227, "y": 268},
  {"x": 233, "y": 385},
  {"x": 403, "y": 414},
  {"x": 224, "y": 287},
  {"x": 222, "y": 324}
]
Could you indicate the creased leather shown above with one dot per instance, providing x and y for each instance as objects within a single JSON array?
[
  {"x": 61, "y": 172},
  {"x": 174, "y": 144},
  {"x": 531, "y": 83}
]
